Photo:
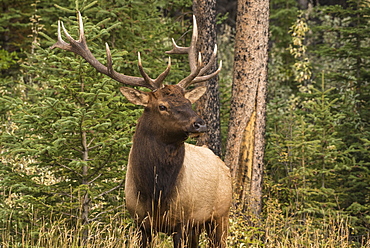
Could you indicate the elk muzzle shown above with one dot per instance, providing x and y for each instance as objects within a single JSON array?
[{"x": 198, "y": 126}]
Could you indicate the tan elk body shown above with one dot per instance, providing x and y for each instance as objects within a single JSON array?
[{"x": 171, "y": 186}]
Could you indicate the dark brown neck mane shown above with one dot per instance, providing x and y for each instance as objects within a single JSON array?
[{"x": 155, "y": 164}]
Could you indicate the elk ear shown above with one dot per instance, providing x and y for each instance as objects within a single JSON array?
[
  {"x": 196, "y": 93},
  {"x": 135, "y": 96}
]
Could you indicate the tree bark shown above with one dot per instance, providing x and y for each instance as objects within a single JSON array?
[
  {"x": 208, "y": 106},
  {"x": 245, "y": 145}
]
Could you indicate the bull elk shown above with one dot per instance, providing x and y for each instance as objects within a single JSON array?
[{"x": 171, "y": 186}]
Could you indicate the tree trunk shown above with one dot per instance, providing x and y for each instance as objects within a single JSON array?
[
  {"x": 85, "y": 208},
  {"x": 245, "y": 145},
  {"x": 208, "y": 106}
]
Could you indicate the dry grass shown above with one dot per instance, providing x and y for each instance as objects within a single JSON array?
[
  {"x": 117, "y": 233},
  {"x": 276, "y": 230}
]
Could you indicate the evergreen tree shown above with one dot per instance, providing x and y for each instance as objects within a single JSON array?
[
  {"x": 67, "y": 134},
  {"x": 72, "y": 128},
  {"x": 316, "y": 150},
  {"x": 344, "y": 54}
]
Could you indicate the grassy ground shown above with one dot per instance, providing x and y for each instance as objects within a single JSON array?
[{"x": 275, "y": 230}]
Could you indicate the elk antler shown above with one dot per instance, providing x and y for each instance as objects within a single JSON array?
[
  {"x": 196, "y": 66},
  {"x": 80, "y": 47}
]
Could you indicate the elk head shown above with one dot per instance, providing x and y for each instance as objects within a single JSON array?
[{"x": 172, "y": 103}]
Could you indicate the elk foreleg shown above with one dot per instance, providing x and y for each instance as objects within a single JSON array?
[
  {"x": 193, "y": 237},
  {"x": 146, "y": 238},
  {"x": 146, "y": 232},
  {"x": 217, "y": 230},
  {"x": 186, "y": 236}
]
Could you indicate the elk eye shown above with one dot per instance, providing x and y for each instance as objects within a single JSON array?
[{"x": 162, "y": 108}]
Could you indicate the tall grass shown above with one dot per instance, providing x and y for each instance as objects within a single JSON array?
[
  {"x": 279, "y": 230},
  {"x": 274, "y": 230},
  {"x": 117, "y": 232}
]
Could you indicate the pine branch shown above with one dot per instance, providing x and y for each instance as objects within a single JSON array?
[
  {"x": 110, "y": 190},
  {"x": 90, "y": 182},
  {"x": 70, "y": 169}
]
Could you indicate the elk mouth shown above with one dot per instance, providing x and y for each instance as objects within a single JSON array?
[{"x": 195, "y": 135}]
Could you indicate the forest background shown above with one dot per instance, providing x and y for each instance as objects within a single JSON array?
[{"x": 66, "y": 131}]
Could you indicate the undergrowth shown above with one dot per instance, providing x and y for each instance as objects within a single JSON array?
[{"x": 274, "y": 229}]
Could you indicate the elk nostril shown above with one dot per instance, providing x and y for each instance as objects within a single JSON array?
[{"x": 199, "y": 126}]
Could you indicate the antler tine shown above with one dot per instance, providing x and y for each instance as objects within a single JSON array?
[
  {"x": 109, "y": 59},
  {"x": 159, "y": 80},
  {"x": 80, "y": 48},
  {"x": 190, "y": 50},
  {"x": 177, "y": 49},
  {"x": 200, "y": 79},
  {"x": 184, "y": 83},
  {"x": 196, "y": 66},
  {"x": 81, "y": 28},
  {"x": 155, "y": 83},
  {"x": 193, "y": 48},
  {"x": 60, "y": 42},
  {"x": 142, "y": 72},
  {"x": 210, "y": 62}
]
